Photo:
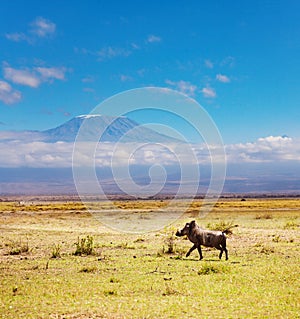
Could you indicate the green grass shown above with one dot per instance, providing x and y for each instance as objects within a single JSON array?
[{"x": 146, "y": 275}]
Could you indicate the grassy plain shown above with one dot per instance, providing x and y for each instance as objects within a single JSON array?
[{"x": 147, "y": 275}]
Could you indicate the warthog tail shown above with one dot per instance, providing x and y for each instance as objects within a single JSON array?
[{"x": 228, "y": 230}]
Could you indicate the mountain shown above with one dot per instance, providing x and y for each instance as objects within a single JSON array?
[{"x": 112, "y": 128}]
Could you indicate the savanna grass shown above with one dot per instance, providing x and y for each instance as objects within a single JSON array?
[{"x": 130, "y": 280}]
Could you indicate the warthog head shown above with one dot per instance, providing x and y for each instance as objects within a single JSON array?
[{"x": 186, "y": 229}]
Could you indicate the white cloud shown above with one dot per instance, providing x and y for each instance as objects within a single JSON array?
[
  {"x": 23, "y": 77},
  {"x": 21, "y": 150},
  {"x": 52, "y": 73},
  {"x": 184, "y": 87},
  {"x": 209, "y": 92},
  {"x": 88, "y": 79},
  {"x": 271, "y": 149},
  {"x": 88, "y": 90},
  {"x": 268, "y": 149},
  {"x": 208, "y": 64},
  {"x": 106, "y": 53},
  {"x": 39, "y": 28},
  {"x": 23, "y": 153},
  {"x": 7, "y": 94},
  {"x": 125, "y": 78},
  {"x": 16, "y": 36},
  {"x": 33, "y": 77},
  {"x": 135, "y": 46},
  {"x": 228, "y": 61},
  {"x": 36, "y": 154},
  {"x": 275, "y": 140},
  {"x": 112, "y": 52},
  {"x": 222, "y": 78},
  {"x": 153, "y": 39},
  {"x": 261, "y": 163},
  {"x": 42, "y": 27}
]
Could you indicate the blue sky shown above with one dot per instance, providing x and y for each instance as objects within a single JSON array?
[{"x": 238, "y": 59}]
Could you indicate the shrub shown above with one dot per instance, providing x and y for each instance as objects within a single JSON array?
[
  {"x": 17, "y": 247},
  {"x": 85, "y": 246},
  {"x": 222, "y": 226},
  {"x": 56, "y": 251},
  {"x": 170, "y": 242}
]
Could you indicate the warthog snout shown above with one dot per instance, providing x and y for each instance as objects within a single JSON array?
[
  {"x": 184, "y": 231},
  {"x": 178, "y": 233}
]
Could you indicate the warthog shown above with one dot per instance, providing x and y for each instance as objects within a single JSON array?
[{"x": 208, "y": 238}]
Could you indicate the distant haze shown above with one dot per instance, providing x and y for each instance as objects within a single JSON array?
[{"x": 40, "y": 162}]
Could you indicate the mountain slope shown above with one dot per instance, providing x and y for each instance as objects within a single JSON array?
[{"x": 113, "y": 129}]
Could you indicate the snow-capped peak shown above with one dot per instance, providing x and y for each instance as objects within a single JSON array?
[{"x": 88, "y": 116}]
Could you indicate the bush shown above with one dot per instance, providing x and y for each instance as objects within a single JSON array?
[
  {"x": 223, "y": 226},
  {"x": 56, "y": 251},
  {"x": 85, "y": 246},
  {"x": 170, "y": 242},
  {"x": 17, "y": 247}
]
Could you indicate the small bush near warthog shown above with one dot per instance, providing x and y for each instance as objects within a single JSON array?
[
  {"x": 222, "y": 226},
  {"x": 170, "y": 242},
  {"x": 85, "y": 246}
]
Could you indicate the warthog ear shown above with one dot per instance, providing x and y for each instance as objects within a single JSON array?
[{"x": 193, "y": 223}]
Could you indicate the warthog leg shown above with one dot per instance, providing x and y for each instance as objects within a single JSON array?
[
  {"x": 200, "y": 252},
  {"x": 193, "y": 248},
  {"x": 221, "y": 253},
  {"x": 226, "y": 253},
  {"x": 222, "y": 248}
]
